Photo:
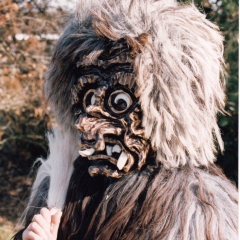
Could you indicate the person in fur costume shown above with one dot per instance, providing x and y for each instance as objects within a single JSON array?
[{"x": 135, "y": 86}]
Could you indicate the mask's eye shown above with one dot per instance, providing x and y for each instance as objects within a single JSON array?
[
  {"x": 119, "y": 101},
  {"x": 89, "y": 98}
]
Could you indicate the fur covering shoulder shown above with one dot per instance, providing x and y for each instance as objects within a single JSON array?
[{"x": 165, "y": 204}]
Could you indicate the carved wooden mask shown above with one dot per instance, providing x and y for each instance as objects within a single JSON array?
[{"x": 108, "y": 113}]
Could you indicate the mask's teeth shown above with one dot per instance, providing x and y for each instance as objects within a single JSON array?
[
  {"x": 87, "y": 152},
  {"x": 93, "y": 100},
  {"x": 109, "y": 150},
  {"x": 116, "y": 148},
  {"x": 122, "y": 161}
]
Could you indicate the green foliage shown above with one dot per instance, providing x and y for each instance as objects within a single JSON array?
[{"x": 22, "y": 138}]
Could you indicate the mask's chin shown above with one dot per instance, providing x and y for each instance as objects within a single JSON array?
[{"x": 114, "y": 161}]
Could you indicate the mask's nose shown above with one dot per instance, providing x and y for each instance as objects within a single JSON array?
[
  {"x": 90, "y": 132},
  {"x": 85, "y": 125},
  {"x": 88, "y": 139}
]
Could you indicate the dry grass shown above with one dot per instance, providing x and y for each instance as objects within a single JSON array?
[{"x": 7, "y": 228}]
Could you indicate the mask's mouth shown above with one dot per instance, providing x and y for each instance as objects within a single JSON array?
[{"x": 114, "y": 160}]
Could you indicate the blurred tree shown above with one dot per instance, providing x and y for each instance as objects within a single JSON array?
[{"x": 28, "y": 32}]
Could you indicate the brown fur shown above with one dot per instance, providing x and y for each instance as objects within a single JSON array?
[{"x": 152, "y": 204}]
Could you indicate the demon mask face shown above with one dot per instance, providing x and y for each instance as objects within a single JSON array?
[{"x": 108, "y": 114}]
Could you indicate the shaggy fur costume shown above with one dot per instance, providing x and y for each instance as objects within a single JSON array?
[{"x": 176, "y": 56}]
